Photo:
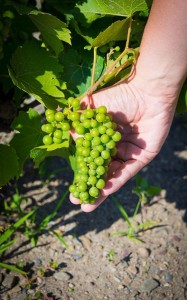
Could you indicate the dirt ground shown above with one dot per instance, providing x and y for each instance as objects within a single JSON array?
[{"x": 97, "y": 264}]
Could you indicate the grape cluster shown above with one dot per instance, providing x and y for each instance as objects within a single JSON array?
[{"x": 94, "y": 147}]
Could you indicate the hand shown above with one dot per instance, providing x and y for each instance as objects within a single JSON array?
[{"x": 144, "y": 120}]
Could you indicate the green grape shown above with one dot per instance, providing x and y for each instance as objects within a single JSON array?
[
  {"x": 72, "y": 188},
  {"x": 92, "y": 165},
  {"x": 105, "y": 138},
  {"x": 79, "y": 141},
  {"x": 110, "y": 132},
  {"x": 48, "y": 128},
  {"x": 75, "y": 124},
  {"x": 87, "y": 123},
  {"x": 101, "y": 110},
  {"x": 88, "y": 136},
  {"x": 75, "y": 103},
  {"x": 76, "y": 194},
  {"x": 108, "y": 124},
  {"x": 93, "y": 123},
  {"x": 86, "y": 143},
  {"x": 59, "y": 116},
  {"x": 47, "y": 140},
  {"x": 84, "y": 177},
  {"x": 94, "y": 132},
  {"x": 89, "y": 159},
  {"x": 74, "y": 116},
  {"x": 50, "y": 118},
  {"x": 86, "y": 152},
  {"x": 100, "y": 117},
  {"x": 96, "y": 141},
  {"x": 111, "y": 144},
  {"x": 100, "y": 184},
  {"x": 94, "y": 153},
  {"x": 89, "y": 113},
  {"x": 117, "y": 136},
  {"x": 99, "y": 161},
  {"x": 100, "y": 148},
  {"x": 92, "y": 180},
  {"x": 58, "y": 134},
  {"x": 80, "y": 159},
  {"x": 57, "y": 141},
  {"x": 92, "y": 172},
  {"x": 105, "y": 154},
  {"x": 65, "y": 126},
  {"x": 84, "y": 170},
  {"x": 84, "y": 196},
  {"x": 82, "y": 187},
  {"x": 94, "y": 192},
  {"x": 49, "y": 111},
  {"x": 80, "y": 129},
  {"x": 117, "y": 48},
  {"x": 102, "y": 129},
  {"x": 100, "y": 170}
]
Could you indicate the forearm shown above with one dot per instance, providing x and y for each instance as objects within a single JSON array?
[{"x": 162, "y": 63}]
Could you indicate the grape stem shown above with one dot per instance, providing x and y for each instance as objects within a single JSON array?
[{"x": 128, "y": 34}]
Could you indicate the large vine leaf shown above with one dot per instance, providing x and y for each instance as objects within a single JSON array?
[
  {"x": 77, "y": 70},
  {"x": 38, "y": 154},
  {"x": 28, "y": 136},
  {"x": 124, "y": 8},
  {"x": 8, "y": 164},
  {"x": 52, "y": 29},
  {"x": 115, "y": 32},
  {"x": 36, "y": 72}
]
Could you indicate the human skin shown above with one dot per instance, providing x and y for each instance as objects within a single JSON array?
[{"x": 144, "y": 105}]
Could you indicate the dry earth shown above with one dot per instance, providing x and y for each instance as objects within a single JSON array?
[{"x": 98, "y": 265}]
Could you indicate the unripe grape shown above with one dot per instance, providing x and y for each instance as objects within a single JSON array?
[
  {"x": 59, "y": 116},
  {"x": 47, "y": 140}
]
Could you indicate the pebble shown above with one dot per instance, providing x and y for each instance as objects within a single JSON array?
[
  {"x": 10, "y": 281},
  {"x": 132, "y": 269},
  {"x": 126, "y": 280},
  {"x": 61, "y": 275},
  {"x": 149, "y": 284},
  {"x": 77, "y": 256},
  {"x": 86, "y": 242},
  {"x": 38, "y": 262},
  {"x": 144, "y": 252},
  {"x": 168, "y": 277}
]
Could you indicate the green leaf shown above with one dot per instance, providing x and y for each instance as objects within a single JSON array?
[
  {"x": 29, "y": 134},
  {"x": 33, "y": 70},
  {"x": 126, "y": 8},
  {"x": 77, "y": 70},
  {"x": 117, "y": 31},
  {"x": 8, "y": 164},
  {"x": 4, "y": 247},
  {"x": 12, "y": 268},
  {"x": 4, "y": 237},
  {"x": 53, "y": 30},
  {"x": 38, "y": 154}
]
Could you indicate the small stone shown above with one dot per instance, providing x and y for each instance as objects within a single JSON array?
[
  {"x": 38, "y": 262},
  {"x": 77, "y": 256},
  {"x": 64, "y": 276},
  {"x": 71, "y": 285},
  {"x": 120, "y": 287},
  {"x": 144, "y": 252},
  {"x": 168, "y": 277},
  {"x": 117, "y": 279},
  {"x": 126, "y": 280},
  {"x": 10, "y": 281},
  {"x": 149, "y": 284},
  {"x": 86, "y": 242},
  {"x": 132, "y": 269}
]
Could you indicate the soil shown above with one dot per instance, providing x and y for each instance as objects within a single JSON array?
[{"x": 97, "y": 264}]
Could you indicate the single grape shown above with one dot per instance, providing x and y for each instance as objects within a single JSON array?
[
  {"x": 108, "y": 124},
  {"x": 100, "y": 184},
  {"x": 75, "y": 103},
  {"x": 93, "y": 123},
  {"x": 105, "y": 138},
  {"x": 117, "y": 136},
  {"x": 94, "y": 153},
  {"x": 84, "y": 177},
  {"x": 86, "y": 152},
  {"x": 59, "y": 116},
  {"x": 101, "y": 109},
  {"x": 88, "y": 136},
  {"x": 50, "y": 118},
  {"x": 100, "y": 117},
  {"x": 80, "y": 159},
  {"x": 96, "y": 141},
  {"x": 76, "y": 194},
  {"x": 105, "y": 154},
  {"x": 94, "y": 132},
  {"x": 47, "y": 140},
  {"x": 82, "y": 187},
  {"x": 89, "y": 113},
  {"x": 84, "y": 170},
  {"x": 99, "y": 161},
  {"x": 49, "y": 111},
  {"x": 87, "y": 123},
  {"x": 86, "y": 143},
  {"x": 58, "y": 134},
  {"x": 100, "y": 170},
  {"x": 84, "y": 196},
  {"x": 111, "y": 144},
  {"x": 74, "y": 116},
  {"x": 92, "y": 180},
  {"x": 100, "y": 148},
  {"x": 89, "y": 159},
  {"x": 56, "y": 140},
  {"x": 110, "y": 132},
  {"x": 65, "y": 126},
  {"x": 92, "y": 165},
  {"x": 48, "y": 128},
  {"x": 75, "y": 124},
  {"x": 80, "y": 129},
  {"x": 79, "y": 141},
  {"x": 94, "y": 192},
  {"x": 102, "y": 129},
  {"x": 72, "y": 188},
  {"x": 92, "y": 172}
]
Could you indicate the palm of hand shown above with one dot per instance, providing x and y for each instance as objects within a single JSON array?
[{"x": 144, "y": 122}]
